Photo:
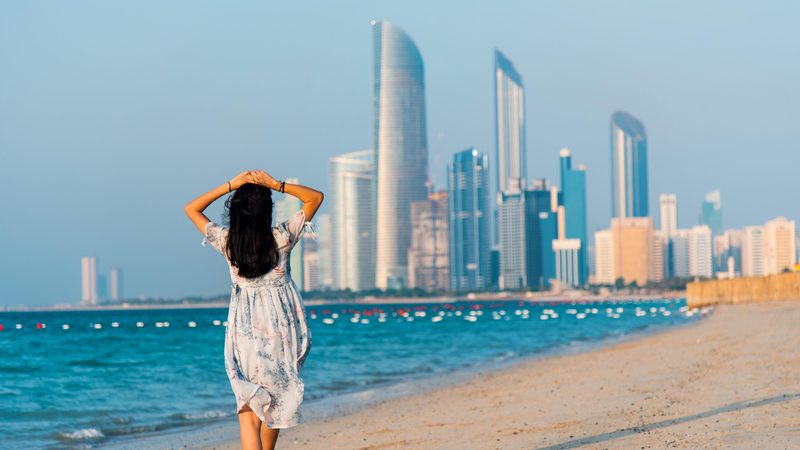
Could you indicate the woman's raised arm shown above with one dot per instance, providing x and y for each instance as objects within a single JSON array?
[
  {"x": 311, "y": 198},
  {"x": 194, "y": 209}
]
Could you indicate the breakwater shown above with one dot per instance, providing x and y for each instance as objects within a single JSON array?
[{"x": 779, "y": 287}]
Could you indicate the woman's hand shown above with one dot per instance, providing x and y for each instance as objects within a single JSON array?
[
  {"x": 265, "y": 179},
  {"x": 242, "y": 179}
]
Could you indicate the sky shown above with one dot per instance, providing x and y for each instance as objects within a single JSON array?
[{"x": 113, "y": 115}]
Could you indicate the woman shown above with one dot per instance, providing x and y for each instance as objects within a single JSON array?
[{"x": 267, "y": 337}]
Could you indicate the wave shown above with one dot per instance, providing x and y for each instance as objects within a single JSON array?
[
  {"x": 200, "y": 416},
  {"x": 86, "y": 433}
]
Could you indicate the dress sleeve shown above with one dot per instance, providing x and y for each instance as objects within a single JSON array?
[
  {"x": 215, "y": 235},
  {"x": 296, "y": 226}
]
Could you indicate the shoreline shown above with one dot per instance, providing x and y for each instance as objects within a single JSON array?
[
  {"x": 729, "y": 381},
  {"x": 494, "y": 296}
]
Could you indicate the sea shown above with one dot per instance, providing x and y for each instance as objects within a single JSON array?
[{"x": 96, "y": 378}]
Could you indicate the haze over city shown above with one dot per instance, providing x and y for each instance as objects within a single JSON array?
[{"x": 103, "y": 141}]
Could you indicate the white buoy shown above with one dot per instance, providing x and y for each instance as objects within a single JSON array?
[
  {"x": 217, "y": 323},
  {"x": 19, "y": 326},
  {"x": 436, "y": 319},
  {"x": 327, "y": 321},
  {"x": 139, "y": 324},
  {"x": 192, "y": 324},
  {"x": 114, "y": 324},
  {"x": 544, "y": 317},
  {"x": 98, "y": 326},
  {"x": 65, "y": 327}
]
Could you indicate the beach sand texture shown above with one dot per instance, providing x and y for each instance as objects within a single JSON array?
[{"x": 731, "y": 381}]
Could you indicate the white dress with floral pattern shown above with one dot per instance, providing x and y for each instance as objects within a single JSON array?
[{"x": 267, "y": 337}]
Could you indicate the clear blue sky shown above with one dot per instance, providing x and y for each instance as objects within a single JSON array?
[{"x": 113, "y": 115}]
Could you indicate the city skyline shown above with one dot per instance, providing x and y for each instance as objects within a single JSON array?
[{"x": 149, "y": 228}]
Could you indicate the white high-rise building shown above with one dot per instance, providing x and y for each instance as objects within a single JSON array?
[
  {"x": 116, "y": 284},
  {"x": 680, "y": 253},
  {"x": 779, "y": 245},
  {"x": 668, "y": 213},
  {"x": 324, "y": 234},
  {"x": 88, "y": 280},
  {"x": 753, "y": 261},
  {"x": 700, "y": 260},
  {"x": 284, "y": 210},
  {"x": 567, "y": 253},
  {"x": 604, "y": 257},
  {"x": 352, "y": 226},
  {"x": 311, "y": 267},
  {"x": 660, "y": 249}
]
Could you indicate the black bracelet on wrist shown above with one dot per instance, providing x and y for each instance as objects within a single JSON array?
[
  {"x": 283, "y": 186},
  {"x": 229, "y": 186}
]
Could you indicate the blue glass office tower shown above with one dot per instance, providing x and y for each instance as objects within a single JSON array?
[
  {"x": 538, "y": 247},
  {"x": 629, "y": 190},
  {"x": 573, "y": 198},
  {"x": 548, "y": 232},
  {"x": 468, "y": 197},
  {"x": 711, "y": 212},
  {"x": 401, "y": 149}
]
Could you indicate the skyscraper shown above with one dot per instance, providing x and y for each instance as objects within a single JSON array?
[
  {"x": 567, "y": 254},
  {"x": 633, "y": 251},
  {"x": 401, "y": 148},
  {"x": 352, "y": 254},
  {"x": 324, "y": 235},
  {"x": 779, "y": 245},
  {"x": 753, "y": 254},
  {"x": 284, "y": 210},
  {"x": 567, "y": 261},
  {"x": 573, "y": 195},
  {"x": 629, "y": 185},
  {"x": 711, "y": 212},
  {"x": 700, "y": 260},
  {"x": 311, "y": 266},
  {"x": 548, "y": 232},
  {"x": 429, "y": 254},
  {"x": 680, "y": 253},
  {"x": 538, "y": 242},
  {"x": 468, "y": 189},
  {"x": 660, "y": 250},
  {"x": 509, "y": 108},
  {"x": 116, "y": 293},
  {"x": 728, "y": 247},
  {"x": 513, "y": 235},
  {"x": 604, "y": 257},
  {"x": 668, "y": 213},
  {"x": 88, "y": 280}
]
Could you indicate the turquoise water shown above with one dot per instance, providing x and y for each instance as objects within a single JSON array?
[{"x": 81, "y": 379}]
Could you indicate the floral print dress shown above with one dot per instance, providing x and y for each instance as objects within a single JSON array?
[{"x": 267, "y": 337}]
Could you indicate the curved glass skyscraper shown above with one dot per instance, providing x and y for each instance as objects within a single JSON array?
[
  {"x": 629, "y": 190},
  {"x": 401, "y": 146}
]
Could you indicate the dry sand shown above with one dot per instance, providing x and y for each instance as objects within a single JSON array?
[{"x": 730, "y": 381}]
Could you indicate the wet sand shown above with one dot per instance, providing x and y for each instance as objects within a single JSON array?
[{"x": 730, "y": 381}]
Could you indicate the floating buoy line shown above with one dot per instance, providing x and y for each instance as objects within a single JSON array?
[{"x": 436, "y": 313}]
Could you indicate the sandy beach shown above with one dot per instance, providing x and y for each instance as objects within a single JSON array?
[{"x": 730, "y": 381}]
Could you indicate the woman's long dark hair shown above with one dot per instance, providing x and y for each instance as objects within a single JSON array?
[{"x": 251, "y": 246}]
